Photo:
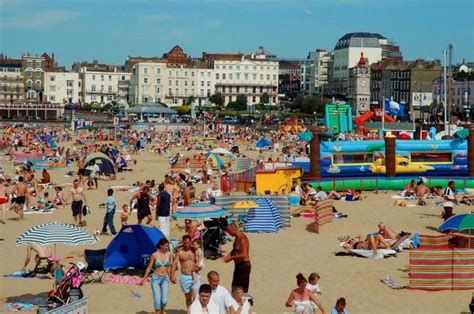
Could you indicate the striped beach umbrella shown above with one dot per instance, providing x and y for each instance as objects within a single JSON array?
[
  {"x": 200, "y": 211},
  {"x": 56, "y": 233}
]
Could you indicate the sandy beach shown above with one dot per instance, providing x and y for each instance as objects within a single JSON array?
[{"x": 276, "y": 258}]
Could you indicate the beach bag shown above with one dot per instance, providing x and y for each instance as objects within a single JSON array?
[{"x": 85, "y": 210}]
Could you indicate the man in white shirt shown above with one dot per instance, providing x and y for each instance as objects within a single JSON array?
[
  {"x": 204, "y": 304},
  {"x": 221, "y": 295},
  {"x": 450, "y": 199},
  {"x": 214, "y": 191},
  {"x": 320, "y": 195}
]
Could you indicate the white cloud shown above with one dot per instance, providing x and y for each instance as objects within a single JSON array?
[{"x": 40, "y": 20}]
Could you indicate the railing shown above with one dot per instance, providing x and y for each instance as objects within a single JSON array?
[{"x": 31, "y": 106}]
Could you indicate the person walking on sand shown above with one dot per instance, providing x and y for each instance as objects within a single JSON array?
[
  {"x": 161, "y": 262},
  {"x": 3, "y": 200},
  {"x": 163, "y": 209},
  {"x": 240, "y": 256},
  {"x": 143, "y": 204},
  {"x": 110, "y": 206},
  {"x": 21, "y": 191},
  {"x": 188, "y": 264},
  {"x": 78, "y": 202}
]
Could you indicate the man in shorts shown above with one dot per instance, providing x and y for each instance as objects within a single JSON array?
[
  {"x": 188, "y": 263},
  {"x": 21, "y": 190},
  {"x": 144, "y": 200},
  {"x": 78, "y": 202}
]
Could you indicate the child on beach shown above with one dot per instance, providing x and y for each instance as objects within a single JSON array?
[
  {"x": 124, "y": 215},
  {"x": 198, "y": 256},
  {"x": 313, "y": 285}
]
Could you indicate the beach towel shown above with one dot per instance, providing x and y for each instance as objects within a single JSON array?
[
  {"x": 36, "y": 210},
  {"x": 381, "y": 253},
  {"x": 24, "y": 275},
  {"x": 388, "y": 280},
  {"x": 400, "y": 197},
  {"x": 125, "y": 279}
]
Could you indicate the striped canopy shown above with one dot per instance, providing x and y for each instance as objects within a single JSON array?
[
  {"x": 56, "y": 233},
  {"x": 264, "y": 218},
  {"x": 200, "y": 210}
]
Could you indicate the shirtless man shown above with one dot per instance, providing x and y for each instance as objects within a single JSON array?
[
  {"x": 78, "y": 201},
  {"x": 21, "y": 190},
  {"x": 240, "y": 256},
  {"x": 42, "y": 252},
  {"x": 3, "y": 199},
  {"x": 188, "y": 263}
]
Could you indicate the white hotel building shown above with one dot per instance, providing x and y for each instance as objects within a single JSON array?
[
  {"x": 104, "y": 86},
  {"x": 62, "y": 87},
  {"x": 249, "y": 77}
]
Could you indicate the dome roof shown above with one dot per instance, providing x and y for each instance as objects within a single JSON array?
[{"x": 370, "y": 40}]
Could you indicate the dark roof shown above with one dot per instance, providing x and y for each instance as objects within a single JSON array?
[{"x": 370, "y": 40}]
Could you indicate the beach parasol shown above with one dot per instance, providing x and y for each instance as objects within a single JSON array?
[
  {"x": 200, "y": 211},
  {"x": 221, "y": 151},
  {"x": 461, "y": 222},
  {"x": 463, "y": 133},
  {"x": 245, "y": 205},
  {"x": 56, "y": 233}
]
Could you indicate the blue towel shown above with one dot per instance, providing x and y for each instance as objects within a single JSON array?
[{"x": 416, "y": 240}]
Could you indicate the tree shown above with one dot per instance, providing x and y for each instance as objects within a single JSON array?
[
  {"x": 217, "y": 99},
  {"x": 190, "y": 100},
  {"x": 242, "y": 100},
  {"x": 308, "y": 104},
  {"x": 183, "y": 109},
  {"x": 265, "y": 99},
  {"x": 237, "y": 106}
]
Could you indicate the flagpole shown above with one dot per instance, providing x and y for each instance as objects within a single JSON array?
[{"x": 383, "y": 118}]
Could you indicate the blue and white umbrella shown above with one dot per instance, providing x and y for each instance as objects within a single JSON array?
[
  {"x": 264, "y": 218},
  {"x": 56, "y": 233}
]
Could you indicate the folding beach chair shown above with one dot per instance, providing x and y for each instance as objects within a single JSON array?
[{"x": 95, "y": 260}]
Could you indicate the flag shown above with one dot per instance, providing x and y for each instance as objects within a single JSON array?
[{"x": 394, "y": 108}]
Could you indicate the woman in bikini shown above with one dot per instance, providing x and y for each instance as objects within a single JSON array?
[
  {"x": 372, "y": 242},
  {"x": 161, "y": 260},
  {"x": 302, "y": 300}
]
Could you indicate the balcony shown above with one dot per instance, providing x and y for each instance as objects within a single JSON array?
[{"x": 102, "y": 92}]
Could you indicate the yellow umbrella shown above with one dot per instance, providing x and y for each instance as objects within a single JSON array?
[{"x": 245, "y": 205}]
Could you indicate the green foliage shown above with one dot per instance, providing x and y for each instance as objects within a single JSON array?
[
  {"x": 463, "y": 76},
  {"x": 217, "y": 99},
  {"x": 308, "y": 105},
  {"x": 242, "y": 100},
  {"x": 190, "y": 100},
  {"x": 133, "y": 104},
  {"x": 265, "y": 99},
  {"x": 183, "y": 109},
  {"x": 237, "y": 106}
]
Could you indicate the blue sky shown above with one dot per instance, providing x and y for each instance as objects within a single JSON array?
[{"x": 111, "y": 30}]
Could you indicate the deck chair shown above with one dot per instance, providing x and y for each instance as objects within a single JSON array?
[{"x": 95, "y": 260}]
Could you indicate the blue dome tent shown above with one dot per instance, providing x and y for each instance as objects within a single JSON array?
[
  {"x": 130, "y": 245},
  {"x": 264, "y": 143}
]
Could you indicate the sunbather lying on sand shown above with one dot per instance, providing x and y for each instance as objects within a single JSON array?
[
  {"x": 372, "y": 242},
  {"x": 388, "y": 234}
]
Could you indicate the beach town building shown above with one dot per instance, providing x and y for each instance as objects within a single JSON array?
[
  {"x": 320, "y": 72},
  {"x": 289, "y": 79},
  {"x": 102, "y": 83},
  {"x": 11, "y": 81},
  {"x": 33, "y": 68},
  {"x": 347, "y": 52},
  {"x": 175, "y": 78},
  {"x": 62, "y": 87},
  {"x": 359, "y": 86}
]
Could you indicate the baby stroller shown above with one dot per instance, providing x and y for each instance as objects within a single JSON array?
[
  {"x": 212, "y": 239},
  {"x": 69, "y": 288}
]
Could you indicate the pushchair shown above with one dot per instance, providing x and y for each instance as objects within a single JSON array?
[
  {"x": 69, "y": 287},
  {"x": 212, "y": 239}
]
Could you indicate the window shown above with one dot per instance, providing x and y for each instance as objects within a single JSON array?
[
  {"x": 110, "y": 78},
  {"x": 158, "y": 71},
  {"x": 430, "y": 157},
  {"x": 238, "y": 67},
  {"x": 223, "y": 89},
  {"x": 217, "y": 67},
  {"x": 192, "y": 83},
  {"x": 202, "y": 93},
  {"x": 37, "y": 73},
  {"x": 186, "y": 92},
  {"x": 38, "y": 63},
  {"x": 70, "y": 83},
  {"x": 101, "y": 88},
  {"x": 170, "y": 93},
  {"x": 170, "y": 73},
  {"x": 193, "y": 92},
  {"x": 93, "y": 98},
  {"x": 177, "y": 83},
  {"x": 254, "y": 99},
  {"x": 93, "y": 88},
  {"x": 246, "y": 76},
  {"x": 230, "y": 76},
  {"x": 237, "y": 76},
  {"x": 110, "y": 89},
  {"x": 52, "y": 78},
  {"x": 192, "y": 73},
  {"x": 93, "y": 77},
  {"x": 157, "y": 90},
  {"x": 261, "y": 77},
  {"x": 123, "y": 77},
  {"x": 185, "y": 83},
  {"x": 341, "y": 159},
  {"x": 145, "y": 70},
  {"x": 185, "y": 73},
  {"x": 69, "y": 92},
  {"x": 176, "y": 92},
  {"x": 145, "y": 80},
  {"x": 170, "y": 82},
  {"x": 202, "y": 83},
  {"x": 208, "y": 93},
  {"x": 202, "y": 74},
  {"x": 255, "y": 76},
  {"x": 51, "y": 88},
  {"x": 38, "y": 85},
  {"x": 29, "y": 83},
  {"x": 237, "y": 89},
  {"x": 30, "y": 63},
  {"x": 29, "y": 73},
  {"x": 102, "y": 77},
  {"x": 217, "y": 76},
  {"x": 52, "y": 98},
  {"x": 223, "y": 76},
  {"x": 208, "y": 83},
  {"x": 268, "y": 77},
  {"x": 208, "y": 74},
  {"x": 110, "y": 97},
  {"x": 158, "y": 81},
  {"x": 223, "y": 67},
  {"x": 274, "y": 77}
]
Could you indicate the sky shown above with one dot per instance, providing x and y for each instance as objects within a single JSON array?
[{"x": 111, "y": 30}]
